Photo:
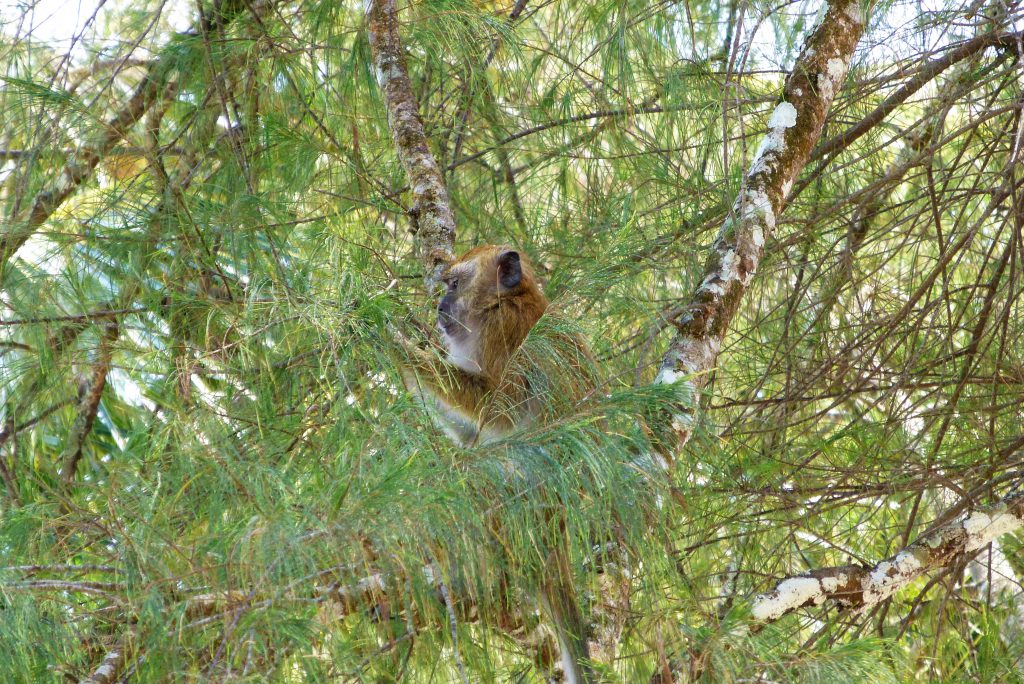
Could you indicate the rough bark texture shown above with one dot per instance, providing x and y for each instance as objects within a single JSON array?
[
  {"x": 861, "y": 586},
  {"x": 79, "y": 169},
  {"x": 793, "y": 129},
  {"x": 108, "y": 669},
  {"x": 431, "y": 210},
  {"x": 88, "y": 406}
]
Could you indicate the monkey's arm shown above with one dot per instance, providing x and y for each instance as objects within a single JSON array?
[{"x": 458, "y": 399}]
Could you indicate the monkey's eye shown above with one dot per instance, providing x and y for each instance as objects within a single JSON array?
[{"x": 453, "y": 283}]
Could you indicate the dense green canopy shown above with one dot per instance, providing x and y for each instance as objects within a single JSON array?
[{"x": 210, "y": 463}]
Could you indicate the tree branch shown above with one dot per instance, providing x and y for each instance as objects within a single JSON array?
[
  {"x": 108, "y": 669},
  {"x": 431, "y": 209},
  {"x": 928, "y": 72},
  {"x": 794, "y": 128},
  {"x": 88, "y": 407},
  {"x": 79, "y": 169},
  {"x": 860, "y": 587}
]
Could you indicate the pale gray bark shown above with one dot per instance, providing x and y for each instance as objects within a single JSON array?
[
  {"x": 431, "y": 210},
  {"x": 108, "y": 668},
  {"x": 793, "y": 129},
  {"x": 860, "y": 587}
]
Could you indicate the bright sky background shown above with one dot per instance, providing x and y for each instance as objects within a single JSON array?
[{"x": 61, "y": 22}]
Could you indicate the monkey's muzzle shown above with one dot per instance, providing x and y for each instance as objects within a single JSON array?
[{"x": 444, "y": 314}]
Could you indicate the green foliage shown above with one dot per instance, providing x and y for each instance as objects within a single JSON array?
[{"x": 254, "y": 454}]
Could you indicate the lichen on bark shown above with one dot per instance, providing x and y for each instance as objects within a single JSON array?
[
  {"x": 431, "y": 209},
  {"x": 861, "y": 587},
  {"x": 793, "y": 129}
]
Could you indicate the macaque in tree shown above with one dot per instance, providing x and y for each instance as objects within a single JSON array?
[{"x": 490, "y": 383}]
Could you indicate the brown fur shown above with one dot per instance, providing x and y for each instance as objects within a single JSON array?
[
  {"x": 483, "y": 390},
  {"x": 488, "y": 393}
]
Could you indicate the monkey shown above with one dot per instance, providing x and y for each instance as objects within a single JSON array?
[{"x": 488, "y": 384}]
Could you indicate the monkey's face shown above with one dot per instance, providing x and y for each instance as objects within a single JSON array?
[{"x": 474, "y": 285}]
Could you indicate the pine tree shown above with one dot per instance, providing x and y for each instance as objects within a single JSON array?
[{"x": 791, "y": 234}]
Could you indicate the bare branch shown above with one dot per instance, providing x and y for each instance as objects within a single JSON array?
[
  {"x": 34, "y": 569},
  {"x": 794, "y": 128},
  {"x": 84, "y": 587},
  {"x": 152, "y": 88},
  {"x": 88, "y": 407},
  {"x": 79, "y": 169},
  {"x": 108, "y": 669},
  {"x": 431, "y": 209},
  {"x": 860, "y": 587},
  {"x": 91, "y": 316},
  {"x": 928, "y": 72}
]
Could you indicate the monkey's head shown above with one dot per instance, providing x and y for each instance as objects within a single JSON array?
[{"x": 491, "y": 301}]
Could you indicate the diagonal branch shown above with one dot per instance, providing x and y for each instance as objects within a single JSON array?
[
  {"x": 79, "y": 169},
  {"x": 431, "y": 209},
  {"x": 109, "y": 667},
  {"x": 924, "y": 76},
  {"x": 88, "y": 407},
  {"x": 152, "y": 89},
  {"x": 860, "y": 587},
  {"x": 794, "y": 128}
]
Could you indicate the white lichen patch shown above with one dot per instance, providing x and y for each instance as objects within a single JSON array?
[
  {"x": 836, "y": 69},
  {"x": 825, "y": 87},
  {"x": 853, "y": 12},
  {"x": 788, "y": 595},
  {"x": 757, "y": 209},
  {"x": 730, "y": 269},
  {"x": 712, "y": 286},
  {"x": 697, "y": 356},
  {"x": 757, "y": 234},
  {"x": 983, "y": 527},
  {"x": 832, "y": 584},
  {"x": 668, "y": 376},
  {"x": 386, "y": 73},
  {"x": 888, "y": 577},
  {"x": 784, "y": 116},
  {"x": 771, "y": 142}
]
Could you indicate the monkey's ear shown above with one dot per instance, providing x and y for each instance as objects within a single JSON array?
[{"x": 510, "y": 270}]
